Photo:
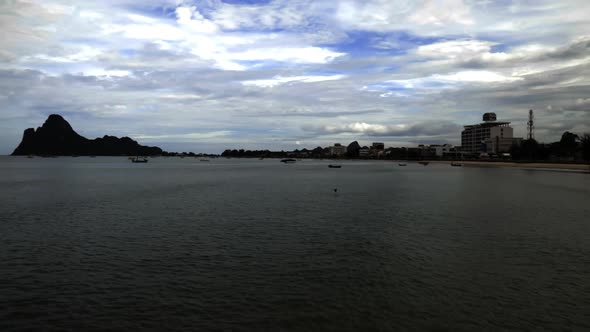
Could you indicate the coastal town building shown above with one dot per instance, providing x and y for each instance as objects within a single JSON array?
[
  {"x": 441, "y": 150},
  {"x": 490, "y": 136},
  {"x": 337, "y": 150},
  {"x": 378, "y": 146},
  {"x": 364, "y": 152},
  {"x": 425, "y": 151}
]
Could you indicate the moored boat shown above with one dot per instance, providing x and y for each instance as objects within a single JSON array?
[{"x": 139, "y": 160}]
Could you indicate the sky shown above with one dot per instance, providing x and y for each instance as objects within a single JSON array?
[{"x": 207, "y": 75}]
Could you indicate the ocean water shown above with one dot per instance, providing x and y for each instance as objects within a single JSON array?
[{"x": 102, "y": 244}]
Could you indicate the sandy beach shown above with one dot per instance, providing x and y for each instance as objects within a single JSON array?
[{"x": 554, "y": 166}]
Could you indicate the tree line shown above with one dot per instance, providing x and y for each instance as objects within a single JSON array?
[{"x": 570, "y": 147}]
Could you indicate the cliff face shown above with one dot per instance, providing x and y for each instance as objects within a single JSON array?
[{"x": 57, "y": 137}]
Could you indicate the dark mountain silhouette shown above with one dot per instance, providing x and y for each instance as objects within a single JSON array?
[
  {"x": 57, "y": 137},
  {"x": 352, "y": 150}
]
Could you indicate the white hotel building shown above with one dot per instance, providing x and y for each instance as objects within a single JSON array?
[{"x": 490, "y": 136}]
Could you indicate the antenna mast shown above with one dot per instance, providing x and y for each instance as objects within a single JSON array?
[{"x": 530, "y": 126}]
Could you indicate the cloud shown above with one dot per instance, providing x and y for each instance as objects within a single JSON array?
[
  {"x": 276, "y": 14},
  {"x": 185, "y": 137},
  {"x": 270, "y": 73},
  {"x": 278, "y": 80},
  {"x": 431, "y": 128},
  {"x": 384, "y": 15}
]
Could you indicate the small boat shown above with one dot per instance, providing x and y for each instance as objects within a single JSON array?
[
  {"x": 456, "y": 164},
  {"x": 423, "y": 163},
  {"x": 288, "y": 161},
  {"x": 334, "y": 166},
  {"x": 139, "y": 160},
  {"x": 402, "y": 164}
]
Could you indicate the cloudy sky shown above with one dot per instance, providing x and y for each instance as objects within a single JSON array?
[{"x": 206, "y": 75}]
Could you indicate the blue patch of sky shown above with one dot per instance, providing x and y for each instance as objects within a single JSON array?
[
  {"x": 128, "y": 52},
  {"x": 87, "y": 41},
  {"x": 361, "y": 43},
  {"x": 499, "y": 48},
  {"x": 269, "y": 65},
  {"x": 162, "y": 12},
  {"x": 322, "y": 72}
]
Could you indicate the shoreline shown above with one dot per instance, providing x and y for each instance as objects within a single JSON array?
[{"x": 584, "y": 168}]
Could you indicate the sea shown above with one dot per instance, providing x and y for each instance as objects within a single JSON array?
[{"x": 181, "y": 244}]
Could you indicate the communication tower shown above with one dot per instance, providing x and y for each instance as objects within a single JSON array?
[{"x": 530, "y": 126}]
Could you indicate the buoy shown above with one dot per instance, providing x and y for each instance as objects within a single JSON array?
[{"x": 335, "y": 189}]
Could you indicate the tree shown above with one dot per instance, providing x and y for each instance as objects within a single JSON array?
[
  {"x": 528, "y": 149},
  {"x": 568, "y": 143},
  {"x": 585, "y": 140}
]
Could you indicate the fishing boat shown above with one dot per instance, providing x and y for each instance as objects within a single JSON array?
[
  {"x": 139, "y": 160},
  {"x": 334, "y": 166},
  {"x": 424, "y": 163},
  {"x": 288, "y": 161}
]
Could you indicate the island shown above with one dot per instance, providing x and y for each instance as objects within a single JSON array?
[{"x": 56, "y": 137}]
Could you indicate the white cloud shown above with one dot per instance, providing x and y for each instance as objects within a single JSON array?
[
  {"x": 191, "y": 18},
  {"x": 288, "y": 54},
  {"x": 444, "y": 81},
  {"x": 439, "y": 12},
  {"x": 108, "y": 73},
  {"x": 207, "y": 67},
  {"x": 276, "y": 14},
  {"x": 386, "y": 15},
  {"x": 278, "y": 80},
  {"x": 85, "y": 53},
  {"x": 185, "y": 96},
  {"x": 482, "y": 76},
  {"x": 455, "y": 49},
  {"x": 186, "y": 137}
]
